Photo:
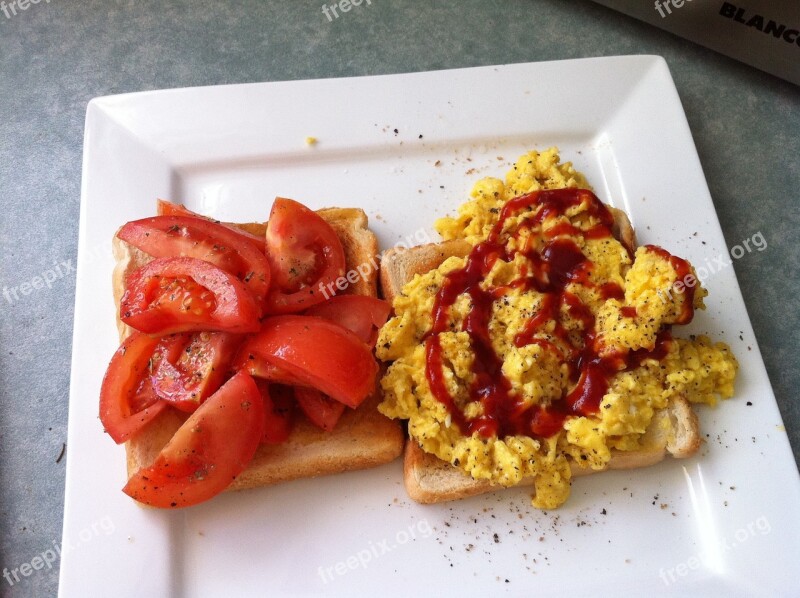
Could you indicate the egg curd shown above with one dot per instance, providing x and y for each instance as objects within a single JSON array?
[{"x": 550, "y": 345}]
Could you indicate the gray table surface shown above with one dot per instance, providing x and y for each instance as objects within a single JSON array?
[{"x": 57, "y": 55}]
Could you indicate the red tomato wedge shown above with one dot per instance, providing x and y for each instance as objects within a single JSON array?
[
  {"x": 167, "y": 208},
  {"x": 278, "y": 412},
  {"x": 319, "y": 354},
  {"x": 144, "y": 395},
  {"x": 190, "y": 236},
  {"x": 209, "y": 450},
  {"x": 191, "y": 367},
  {"x": 126, "y": 398},
  {"x": 322, "y": 410},
  {"x": 305, "y": 254},
  {"x": 184, "y": 294},
  {"x": 258, "y": 367},
  {"x": 361, "y": 315}
]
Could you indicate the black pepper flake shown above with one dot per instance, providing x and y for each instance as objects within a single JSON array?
[{"x": 61, "y": 454}]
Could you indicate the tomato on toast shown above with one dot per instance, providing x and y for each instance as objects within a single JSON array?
[
  {"x": 278, "y": 411},
  {"x": 360, "y": 314},
  {"x": 202, "y": 344},
  {"x": 305, "y": 254},
  {"x": 167, "y": 208},
  {"x": 323, "y": 411},
  {"x": 191, "y": 367},
  {"x": 184, "y": 294},
  {"x": 123, "y": 412},
  {"x": 199, "y": 238},
  {"x": 209, "y": 450},
  {"x": 319, "y": 353}
]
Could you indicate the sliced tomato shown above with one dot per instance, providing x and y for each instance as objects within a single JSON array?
[
  {"x": 190, "y": 236},
  {"x": 258, "y": 367},
  {"x": 278, "y": 411},
  {"x": 306, "y": 257},
  {"x": 127, "y": 401},
  {"x": 167, "y": 208},
  {"x": 191, "y": 367},
  {"x": 319, "y": 354},
  {"x": 207, "y": 452},
  {"x": 361, "y": 315},
  {"x": 183, "y": 294},
  {"x": 322, "y": 410},
  {"x": 144, "y": 395}
]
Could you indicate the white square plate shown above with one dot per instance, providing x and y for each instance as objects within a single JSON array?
[{"x": 407, "y": 149}]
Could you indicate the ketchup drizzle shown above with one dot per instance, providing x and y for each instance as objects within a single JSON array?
[{"x": 558, "y": 263}]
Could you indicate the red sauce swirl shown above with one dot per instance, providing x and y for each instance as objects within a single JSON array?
[{"x": 555, "y": 265}]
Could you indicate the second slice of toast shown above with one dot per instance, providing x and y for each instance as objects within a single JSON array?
[{"x": 673, "y": 431}]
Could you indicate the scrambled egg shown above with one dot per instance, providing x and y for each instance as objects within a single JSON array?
[{"x": 537, "y": 370}]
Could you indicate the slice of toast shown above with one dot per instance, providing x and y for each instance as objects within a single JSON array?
[
  {"x": 673, "y": 430},
  {"x": 362, "y": 438}
]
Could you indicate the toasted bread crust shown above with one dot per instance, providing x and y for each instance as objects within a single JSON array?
[
  {"x": 622, "y": 229},
  {"x": 401, "y": 264},
  {"x": 362, "y": 438},
  {"x": 428, "y": 479}
]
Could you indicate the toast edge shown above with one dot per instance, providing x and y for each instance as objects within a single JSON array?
[{"x": 430, "y": 480}]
